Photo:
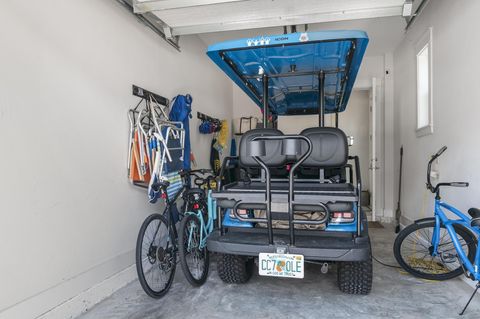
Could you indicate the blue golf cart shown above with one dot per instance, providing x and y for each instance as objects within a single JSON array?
[{"x": 297, "y": 198}]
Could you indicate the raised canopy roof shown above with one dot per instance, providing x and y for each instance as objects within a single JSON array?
[{"x": 293, "y": 63}]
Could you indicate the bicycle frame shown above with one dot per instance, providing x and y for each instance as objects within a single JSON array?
[
  {"x": 205, "y": 229},
  {"x": 167, "y": 213},
  {"x": 442, "y": 219}
]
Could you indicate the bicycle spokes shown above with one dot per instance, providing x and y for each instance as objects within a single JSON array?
[
  {"x": 157, "y": 255},
  {"x": 195, "y": 257},
  {"x": 419, "y": 252},
  {"x": 193, "y": 254}
]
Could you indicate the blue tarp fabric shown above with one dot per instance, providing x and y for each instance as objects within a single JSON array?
[{"x": 181, "y": 112}]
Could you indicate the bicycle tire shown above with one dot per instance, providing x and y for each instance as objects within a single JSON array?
[
  {"x": 438, "y": 261},
  {"x": 155, "y": 256},
  {"x": 188, "y": 223}
]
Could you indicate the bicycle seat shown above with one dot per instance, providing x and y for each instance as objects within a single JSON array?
[{"x": 475, "y": 213}]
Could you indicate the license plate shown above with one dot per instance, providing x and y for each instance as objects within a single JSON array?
[{"x": 280, "y": 265}]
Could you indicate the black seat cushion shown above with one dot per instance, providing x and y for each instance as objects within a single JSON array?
[
  {"x": 329, "y": 147},
  {"x": 273, "y": 155},
  {"x": 474, "y": 212}
]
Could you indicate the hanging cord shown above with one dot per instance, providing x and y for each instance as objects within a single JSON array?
[{"x": 385, "y": 264}]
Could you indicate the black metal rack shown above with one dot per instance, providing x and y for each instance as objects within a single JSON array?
[
  {"x": 205, "y": 117},
  {"x": 145, "y": 94}
]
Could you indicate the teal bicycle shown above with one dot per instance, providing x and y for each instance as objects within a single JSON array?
[{"x": 195, "y": 227}]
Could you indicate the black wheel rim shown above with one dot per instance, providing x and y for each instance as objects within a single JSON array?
[
  {"x": 416, "y": 251},
  {"x": 157, "y": 256},
  {"x": 195, "y": 256}
]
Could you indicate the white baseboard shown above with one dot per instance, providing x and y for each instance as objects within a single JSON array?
[
  {"x": 388, "y": 213},
  {"x": 387, "y": 220},
  {"x": 73, "y": 295},
  {"x": 87, "y": 299}
]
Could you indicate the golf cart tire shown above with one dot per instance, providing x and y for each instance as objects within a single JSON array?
[
  {"x": 234, "y": 269},
  {"x": 355, "y": 277}
]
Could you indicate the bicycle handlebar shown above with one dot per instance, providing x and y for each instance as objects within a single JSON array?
[
  {"x": 435, "y": 188},
  {"x": 440, "y": 152},
  {"x": 458, "y": 184}
]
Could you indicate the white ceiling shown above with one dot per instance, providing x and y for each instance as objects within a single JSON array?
[
  {"x": 384, "y": 33},
  {"x": 182, "y": 17}
]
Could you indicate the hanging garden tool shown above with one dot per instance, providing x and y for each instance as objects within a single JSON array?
[{"x": 398, "y": 212}]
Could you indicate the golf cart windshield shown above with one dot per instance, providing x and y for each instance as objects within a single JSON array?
[{"x": 295, "y": 67}]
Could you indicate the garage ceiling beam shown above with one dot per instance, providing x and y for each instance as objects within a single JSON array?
[
  {"x": 290, "y": 20},
  {"x": 418, "y": 6},
  {"x": 160, "y": 5},
  {"x": 153, "y": 22}
]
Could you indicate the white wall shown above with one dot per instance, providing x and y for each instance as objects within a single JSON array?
[
  {"x": 243, "y": 106},
  {"x": 455, "y": 105},
  {"x": 354, "y": 122},
  {"x": 69, "y": 217}
]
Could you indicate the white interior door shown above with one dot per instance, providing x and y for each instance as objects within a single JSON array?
[{"x": 372, "y": 146}]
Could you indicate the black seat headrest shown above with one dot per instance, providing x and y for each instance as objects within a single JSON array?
[
  {"x": 329, "y": 147},
  {"x": 273, "y": 149}
]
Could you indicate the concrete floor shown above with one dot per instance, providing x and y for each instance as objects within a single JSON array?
[{"x": 395, "y": 295}]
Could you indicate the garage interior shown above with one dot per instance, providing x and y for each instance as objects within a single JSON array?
[{"x": 71, "y": 216}]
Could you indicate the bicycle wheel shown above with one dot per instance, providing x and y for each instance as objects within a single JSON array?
[
  {"x": 155, "y": 256},
  {"x": 413, "y": 251},
  {"x": 193, "y": 258}
]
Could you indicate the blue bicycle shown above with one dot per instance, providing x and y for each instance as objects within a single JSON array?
[
  {"x": 440, "y": 248},
  {"x": 197, "y": 224}
]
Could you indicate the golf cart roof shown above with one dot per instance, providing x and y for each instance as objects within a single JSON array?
[{"x": 292, "y": 62}]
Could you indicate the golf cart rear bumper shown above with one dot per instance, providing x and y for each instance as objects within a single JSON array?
[{"x": 321, "y": 246}]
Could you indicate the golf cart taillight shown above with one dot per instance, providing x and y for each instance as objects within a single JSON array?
[{"x": 342, "y": 217}]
